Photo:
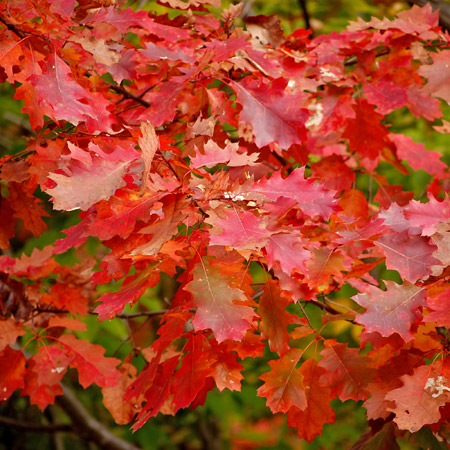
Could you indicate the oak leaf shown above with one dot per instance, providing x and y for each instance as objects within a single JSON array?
[
  {"x": 92, "y": 366},
  {"x": 10, "y": 330},
  {"x": 12, "y": 371},
  {"x": 283, "y": 386},
  {"x": 62, "y": 98},
  {"x": 310, "y": 420},
  {"x": 219, "y": 307},
  {"x": 275, "y": 114},
  {"x": 391, "y": 311},
  {"x": 347, "y": 373},
  {"x": 275, "y": 318},
  {"x": 418, "y": 401},
  {"x": 411, "y": 256},
  {"x": 312, "y": 199}
]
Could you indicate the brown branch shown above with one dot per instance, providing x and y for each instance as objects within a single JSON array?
[
  {"x": 305, "y": 315},
  {"x": 323, "y": 306},
  {"x": 302, "y": 4},
  {"x": 120, "y": 316},
  {"x": 12, "y": 28},
  {"x": 444, "y": 10},
  {"x": 353, "y": 59},
  {"x": 34, "y": 427},
  {"x": 121, "y": 90},
  {"x": 142, "y": 313},
  {"x": 88, "y": 427}
]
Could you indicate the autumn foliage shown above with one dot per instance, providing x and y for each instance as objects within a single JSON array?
[{"x": 253, "y": 169}]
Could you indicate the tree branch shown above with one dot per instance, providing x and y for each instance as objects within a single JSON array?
[
  {"x": 142, "y": 313},
  {"x": 121, "y": 90},
  {"x": 302, "y": 4},
  {"x": 88, "y": 427},
  {"x": 444, "y": 10},
  {"x": 12, "y": 28},
  {"x": 34, "y": 427}
]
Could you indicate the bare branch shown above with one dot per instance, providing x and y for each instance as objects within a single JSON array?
[
  {"x": 142, "y": 313},
  {"x": 12, "y": 28},
  {"x": 121, "y": 90},
  {"x": 302, "y": 4},
  {"x": 88, "y": 427},
  {"x": 35, "y": 427}
]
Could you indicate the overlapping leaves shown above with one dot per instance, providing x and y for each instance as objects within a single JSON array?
[{"x": 221, "y": 160}]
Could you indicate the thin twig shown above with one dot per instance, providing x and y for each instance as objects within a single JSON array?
[
  {"x": 12, "y": 28},
  {"x": 305, "y": 315},
  {"x": 305, "y": 13},
  {"x": 87, "y": 426},
  {"x": 353, "y": 59},
  {"x": 322, "y": 306},
  {"x": 120, "y": 316},
  {"x": 142, "y": 314},
  {"x": 34, "y": 427},
  {"x": 121, "y": 90}
]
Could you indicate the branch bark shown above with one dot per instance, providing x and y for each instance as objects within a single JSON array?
[
  {"x": 444, "y": 10},
  {"x": 87, "y": 427},
  {"x": 35, "y": 427},
  {"x": 303, "y": 7}
]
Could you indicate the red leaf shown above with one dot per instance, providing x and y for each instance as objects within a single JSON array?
[
  {"x": 229, "y": 155},
  {"x": 83, "y": 185},
  {"x": 162, "y": 230},
  {"x": 283, "y": 386},
  {"x": 393, "y": 310},
  {"x": 411, "y": 256},
  {"x": 149, "y": 144},
  {"x": 227, "y": 371},
  {"x": 440, "y": 309},
  {"x": 133, "y": 287},
  {"x": 287, "y": 250},
  {"x": 50, "y": 364},
  {"x": 118, "y": 216},
  {"x": 242, "y": 230},
  {"x": 312, "y": 199},
  {"x": 325, "y": 264},
  {"x": 68, "y": 298},
  {"x": 275, "y": 318},
  {"x": 437, "y": 74},
  {"x": 123, "y": 411},
  {"x": 28, "y": 208},
  {"x": 417, "y": 156},
  {"x": 92, "y": 366},
  {"x": 309, "y": 421},
  {"x": 196, "y": 366},
  {"x": 347, "y": 373},
  {"x": 418, "y": 401},
  {"x": 275, "y": 115},
  {"x": 62, "y": 98},
  {"x": 428, "y": 215},
  {"x": 219, "y": 306},
  {"x": 365, "y": 132},
  {"x": 10, "y": 330},
  {"x": 12, "y": 371},
  {"x": 158, "y": 392},
  {"x": 333, "y": 173},
  {"x": 40, "y": 395},
  {"x": 7, "y": 223}
]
